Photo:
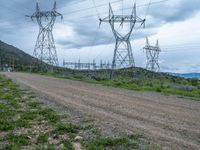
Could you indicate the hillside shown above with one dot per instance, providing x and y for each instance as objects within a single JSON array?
[
  {"x": 15, "y": 57},
  {"x": 135, "y": 79}
]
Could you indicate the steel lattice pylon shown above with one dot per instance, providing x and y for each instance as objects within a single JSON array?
[
  {"x": 123, "y": 56},
  {"x": 45, "y": 49},
  {"x": 152, "y": 54}
]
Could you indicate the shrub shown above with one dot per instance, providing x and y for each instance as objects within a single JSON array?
[
  {"x": 158, "y": 89},
  {"x": 194, "y": 81}
]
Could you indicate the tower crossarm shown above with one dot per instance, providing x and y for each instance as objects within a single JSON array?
[
  {"x": 133, "y": 18},
  {"x": 123, "y": 18},
  {"x": 46, "y": 14},
  {"x": 152, "y": 48}
]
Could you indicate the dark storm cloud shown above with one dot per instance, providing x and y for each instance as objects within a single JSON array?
[
  {"x": 86, "y": 31},
  {"x": 181, "y": 10},
  {"x": 160, "y": 14},
  {"x": 92, "y": 35},
  {"x": 15, "y": 10},
  {"x": 93, "y": 38},
  {"x": 86, "y": 38}
]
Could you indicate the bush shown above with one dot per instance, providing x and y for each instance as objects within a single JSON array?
[
  {"x": 194, "y": 81},
  {"x": 158, "y": 89},
  {"x": 98, "y": 78},
  {"x": 118, "y": 84}
]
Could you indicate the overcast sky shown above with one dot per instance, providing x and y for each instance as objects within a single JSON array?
[{"x": 176, "y": 23}]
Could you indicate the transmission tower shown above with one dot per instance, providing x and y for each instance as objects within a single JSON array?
[
  {"x": 152, "y": 54},
  {"x": 45, "y": 49},
  {"x": 123, "y": 56}
]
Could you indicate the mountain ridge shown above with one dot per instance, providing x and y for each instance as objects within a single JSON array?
[{"x": 187, "y": 75}]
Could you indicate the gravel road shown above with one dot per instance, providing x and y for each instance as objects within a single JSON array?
[{"x": 172, "y": 122}]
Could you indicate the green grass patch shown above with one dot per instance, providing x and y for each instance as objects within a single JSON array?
[
  {"x": 21, "y": 140},
  {"x": 6, "y": 125},
  {"x": 50, "y": 115},
  {"x": 6, "y": 114},
  {"x": 22, "y": 123},
  {"x": 62, "y": 128},
  {"x": 68, "y": 145},
  {"x": 29, "y": 115},
  {"x": 35, "y": 104},
  {"x": 109, "y": 143},
  {"x": 43, "y": 138}
]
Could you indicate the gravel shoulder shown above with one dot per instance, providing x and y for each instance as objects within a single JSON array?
[{"x": 172, "y": 122}]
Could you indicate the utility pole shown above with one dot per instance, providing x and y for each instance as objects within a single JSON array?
[
  {"x": 123, "y": 55},
  {"x": 152, "y": 54},
  {"x": 45, "y": 49}
]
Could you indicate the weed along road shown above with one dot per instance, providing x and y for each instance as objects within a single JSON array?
[{"x": 167, "y": 120}]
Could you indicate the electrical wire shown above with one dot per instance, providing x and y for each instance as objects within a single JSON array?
[
  {"x": 147, "y": 9},
  {"x": 98, "y": 14},
  {"x": 117, "y": 10},
  {"x": 88, "y": 8},
  {"x": 122, "y": 7}
]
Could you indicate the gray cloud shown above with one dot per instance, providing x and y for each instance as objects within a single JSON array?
[
  {"x": 16, "y": 29},
  {"x": 178, "y": 11},
  {"x": 85, "y": 29}
]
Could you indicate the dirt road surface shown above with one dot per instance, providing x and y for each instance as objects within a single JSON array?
[{"x": 172, "y": 122}]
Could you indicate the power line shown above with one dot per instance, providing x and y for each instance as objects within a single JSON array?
[
  {"x": 88, "y": 8},
  {"x": 147, "y": 9},
  {"x": 122, "y": 7},
  {"x": 96, "y": 8},
  {"x": 117, "y": 10},
  {"x": 105, "y": 12}
]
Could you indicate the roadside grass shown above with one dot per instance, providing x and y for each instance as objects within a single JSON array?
[
  {"x": 43, "y": 138},
  {"x": 27, "y": 123},
  {"x": 168, "y": 85},
  {"x": 50, "y": 115},
  {"x": 112, "y": 143},
  {"x": 20, "y": 140},
  {"x": 34, "y": 104},
  {"x": 21, "y": 116},
  {"x": 69, "y": 128},
  {"x": 68, "y": 145}
]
